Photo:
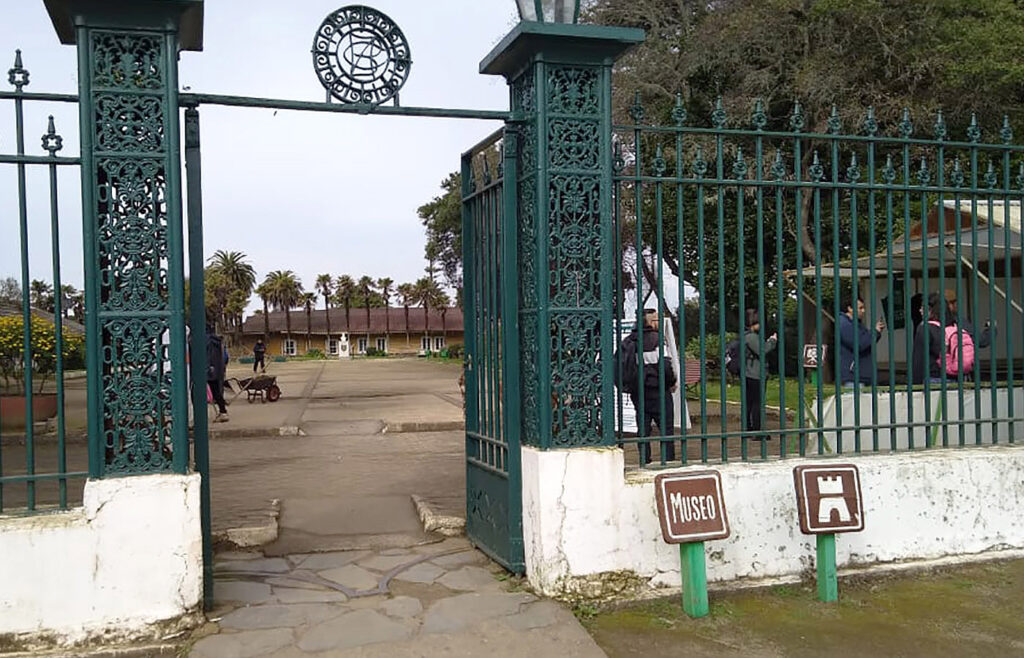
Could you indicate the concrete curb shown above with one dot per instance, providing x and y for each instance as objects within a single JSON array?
[
  {"x": 449, "y": 526},
  {"x": 253, "y": 535},
  {"x": 406, "y": 427},
  {"x": 138, "y": 651}
]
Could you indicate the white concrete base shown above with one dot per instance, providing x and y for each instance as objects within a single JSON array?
[
  {"x": 591, "y": 531},
  {"x": 130, "y": 557}
]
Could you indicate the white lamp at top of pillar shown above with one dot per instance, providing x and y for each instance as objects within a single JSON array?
[{"x": 549, "y": 11}]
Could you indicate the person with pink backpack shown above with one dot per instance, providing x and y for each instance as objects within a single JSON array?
[{"x": 941, "y": 348}]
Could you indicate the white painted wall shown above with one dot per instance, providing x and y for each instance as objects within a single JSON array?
[
  {"x": 129, "y": 557},
  {"x": 582, "y": 516}
]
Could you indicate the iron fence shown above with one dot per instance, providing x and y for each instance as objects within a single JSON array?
[
  {"x": 714, "y": 221},
  {"x": 35, "y": 342}
]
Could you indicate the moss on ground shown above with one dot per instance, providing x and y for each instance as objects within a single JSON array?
[{"x": 966, "y": 611}]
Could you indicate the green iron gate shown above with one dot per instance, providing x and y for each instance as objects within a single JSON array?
[{"x": 493, "y": 482}]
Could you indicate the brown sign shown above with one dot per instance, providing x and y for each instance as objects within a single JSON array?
[
  {"x": 691, "y": 507},
  {"x": 814, "y": 355},
  {"x": 828, "y": 498}
]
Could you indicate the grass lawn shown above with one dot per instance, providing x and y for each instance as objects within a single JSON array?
[
  {"x": 772, "y": 391},
  {"x": 964, "y": 611}
]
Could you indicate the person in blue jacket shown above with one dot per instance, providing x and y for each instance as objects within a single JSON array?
[{"x": 857, "y": 345}]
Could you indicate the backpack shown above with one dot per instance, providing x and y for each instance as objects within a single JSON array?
[
  {"x": 627, "y": 374},
  {"x": 957, "y": 342},
  {"x": 732, "y": 357}
]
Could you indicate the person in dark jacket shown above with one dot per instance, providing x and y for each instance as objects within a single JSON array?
[
  {"x": 755, "y": 372},
  {"x": 657, "y": 409},
  {"x": 980, "y": 340},
  {"x": 928, "y": 342},
  {"x": 259, "y": 354},
  {"x": 215, "y": 369},
  {"x": 857, "y": 345}
]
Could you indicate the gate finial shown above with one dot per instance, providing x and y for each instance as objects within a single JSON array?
[{"x": 18, "y": 74}]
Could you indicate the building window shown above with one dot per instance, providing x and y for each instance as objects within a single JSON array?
[
  {"x": 288, "y": 347},
  {"x": 425, "y": 344},
  {"x": 382, "y": 345},
  {"x": 361, "y": 345},
  {"x": 438, "y": 343},
  {"x": 332, "y": 346}
]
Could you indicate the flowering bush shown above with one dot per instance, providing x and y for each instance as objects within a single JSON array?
[{"x": 44, "y": 351}]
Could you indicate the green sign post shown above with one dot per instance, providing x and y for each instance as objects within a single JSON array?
[
  {"x": 691, "y": 509},
  {"x": 828, "y": 501}
]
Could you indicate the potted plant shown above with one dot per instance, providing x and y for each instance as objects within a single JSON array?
[{"x": 13, "y": 398}]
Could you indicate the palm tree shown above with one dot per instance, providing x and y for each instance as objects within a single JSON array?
[
  {"x": 386, "y": 285},
  {"x": 41, "y": 295},
  {"x": 324, "y": 283},
  {"x": 422, "y": 290},
  {"x": 345, "y": 290},
  {"x": 266, "y": 294},
  {"x": 308, "y": 299},
  {"x": 287, "y": 293},
  {"x": 366, "y": 286},
  {"x": 240, "y": 273},
  {"x": 406, "y": 295}
]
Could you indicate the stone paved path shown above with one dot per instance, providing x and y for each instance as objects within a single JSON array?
[{"x": 436, "y": 599}]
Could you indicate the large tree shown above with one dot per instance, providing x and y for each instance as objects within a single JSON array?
[
  {"x": 386, "y": 287},
  {"x": 442, "y": 218},
  {"x": 325, "y": 286},
  {"x": 286, "y": 293},
  {"x": 406, "y": 297},
  {"x": 237, "y": 280},
  {"x": 367, "y": 286},
  {"x": 344, "y": 291},
  {"x": 308, "y": 300}
]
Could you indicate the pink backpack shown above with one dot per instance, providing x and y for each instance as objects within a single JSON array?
[{"x": 957, "y": 342}]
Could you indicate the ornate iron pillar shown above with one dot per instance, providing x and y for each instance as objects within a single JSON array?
[
  {"x": 132, "y": 226},
  {"x": 560, "y": 80}
]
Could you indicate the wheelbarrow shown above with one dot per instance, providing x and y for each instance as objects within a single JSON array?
[{"x": 261, "y": 387}]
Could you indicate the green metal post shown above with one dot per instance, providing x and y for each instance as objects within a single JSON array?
[
  {"x": 828, "y": 585},
  {"x": 197, "y": 325},
  {"x": 135, "y": 315},
  {"x": 693, "y": 569},
  {"x": 561, "y": 86}
]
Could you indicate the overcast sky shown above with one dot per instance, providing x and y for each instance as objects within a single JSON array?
[{"x": 311, "y": 192}]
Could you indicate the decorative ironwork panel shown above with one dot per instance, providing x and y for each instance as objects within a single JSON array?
[
  {"x": 361, "y": 56},
  {"x": 576, "y": 382},
  {"x": 127, "y": 61},
  {"x": 574, "y": 91},
  {"x": 133, "y": 233}
]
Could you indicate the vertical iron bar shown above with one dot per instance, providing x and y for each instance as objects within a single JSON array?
[
  {"x": 643, "y": 446},
  {"x": 960, "y": 288},
  {"x": 58, "y": 329},
  {"x": 941, "y": 248},
  {"x": 818, "y": 303},
  {"x": 855, "y": 295},
  {"x": 1008, "y": 278},
  {"x": 659, "y": 300},
  {"x": 978, "y": 428},
  {"x": 619, "y": 297},
  {"x": 741, "y": 257},
  {"x": 887, "y": 176},
  {"x": 197, "y": 340},
  {"x": 993, "y": 364},
  {"x": 26, "y": 308},
  {"x": 926, "y": 273},
  {"x": 720, "y": 193},
  {"x": 681, "y": 292},
  {"x": 801, "y": 371},
  {"x": 761, "y": 317},
  {"x": 836, "y": 300},
  {"x": 873, "y": 273},
  {"x": 702, "y": 316},
  {"x": 781, "y": 328},
  {"x": 924, "y": 302}
]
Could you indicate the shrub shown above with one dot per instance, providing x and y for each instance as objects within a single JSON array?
[
  {"x": 315, "y": 353},
  {"x": 43, "y": 348},
  {"x": 712, "y": 346},
  {"x": 373, "y": 351}
]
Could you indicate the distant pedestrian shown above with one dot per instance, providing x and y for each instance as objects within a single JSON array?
[
  {"x": 215, "y": 368},
  {"x": 755, "y": 353},
  {"x": 657, "y": 402},
  {"x": 259, "y": 353},
  {"x": 857, "y": 345},
  {"x": 988, "y": 330},
  {"x": 928, "y": 342}
]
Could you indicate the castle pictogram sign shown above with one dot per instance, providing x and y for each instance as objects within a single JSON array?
[{"x": 829, "y": 498}]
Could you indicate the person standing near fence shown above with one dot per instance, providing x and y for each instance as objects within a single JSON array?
[
  {"x": 857, "y": 345},
  {"x": 215, "y": 368},
  {"x": 928, "y": 343},
  {"x": 657, "y": 402},
  {"x": 755, "y": 353},
  {"x": 980, "y": 340}
]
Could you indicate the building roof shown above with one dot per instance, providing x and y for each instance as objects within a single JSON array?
[
  {"x": 67, "y": 323},
  {"x": 451, "y": 321}
]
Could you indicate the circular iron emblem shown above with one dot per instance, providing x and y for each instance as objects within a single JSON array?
[{"x": 361, "y": 56}]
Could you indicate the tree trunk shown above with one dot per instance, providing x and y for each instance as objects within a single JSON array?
[
  {"x": 327, "y": 312},
  {"x": 407, "y": 338},
  {"x": 309, "y": 327},
  {"x": 387, "y": 325},
  {"x": 266, "y": 322},
  {"x": 288, "y": 323}
]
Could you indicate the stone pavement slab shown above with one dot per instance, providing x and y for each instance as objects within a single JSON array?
[
  {"x": 421, "y": 573},
  {"x": 243, "y": 645},
  {"x": 352, "y": 630},
  {"x": 352, "y": 576},
  {"x": 459, "y": 612},
  {"x": 278, "y": 616}
]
